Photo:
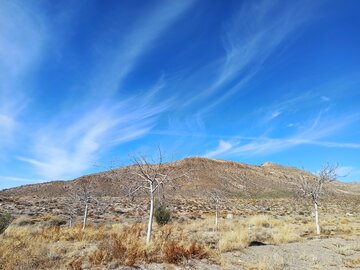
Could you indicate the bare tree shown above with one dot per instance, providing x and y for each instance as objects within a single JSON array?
[
  {"x": 313, "y": 187},
  {"x": 215, "y": 198},
  {"x": 151, "y": 177},
  {"x": 81, "y": 194},
  {"x": 86, "y": 197},
  {"x": 71, "y": 203}
]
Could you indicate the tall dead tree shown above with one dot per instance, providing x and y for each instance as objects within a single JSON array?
[
  {"x": 71, "y": 202},
  {"x": 215, "y": 198},
  {"x": 151, "y": 176},
  {"x": 313, "y": 187},
  {"x": 219, "y": 196},
  {"x": 80, "y": 194}
]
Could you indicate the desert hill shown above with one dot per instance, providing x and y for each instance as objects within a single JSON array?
[
  {"x": 232, "y": 178},
  {"x": 244, "y": 191}
]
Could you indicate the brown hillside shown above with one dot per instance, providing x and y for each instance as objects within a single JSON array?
[{"x": 233, "y": 178}]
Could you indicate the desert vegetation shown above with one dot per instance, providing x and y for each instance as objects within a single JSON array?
[
  {"x": 212, "y": 228},
  {"x": 5, "y": 220},
  {"x": 29, "y": 246}
]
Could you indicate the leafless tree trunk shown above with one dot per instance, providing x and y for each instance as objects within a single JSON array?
[
  {"x": 313, "y": 187},
  {"x": 85, "y": 215},
  {"x": 317, "y": 219},
  {"x": 216, "y": 215},
  {"x": 151, "y": 214}
]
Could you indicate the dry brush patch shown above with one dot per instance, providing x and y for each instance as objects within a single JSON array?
[
  {"x": 352, "y": 263},
  {"x": 48, "y": 248}
]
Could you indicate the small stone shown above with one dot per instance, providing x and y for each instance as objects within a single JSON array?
[
  {"x": 113, "y": 265},
  {"x": 230, "y": 216}
]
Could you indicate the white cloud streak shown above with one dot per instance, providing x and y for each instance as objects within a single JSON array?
[
  {"x": 348, "y": 171},
  {"x": 223, "y": 147},
  {"x": 22, "y": 37},
  {"x": 313, "y": 135},
  {"x": 16, "y": 179},
  {"x": 63, "y": 151}
]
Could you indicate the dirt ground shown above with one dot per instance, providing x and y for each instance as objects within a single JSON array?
[{"x": 326, "y": 254}]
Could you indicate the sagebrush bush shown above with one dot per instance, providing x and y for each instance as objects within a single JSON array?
[
  {"x": 5, "y": 220},
  {"x": 162, "y": 215}
]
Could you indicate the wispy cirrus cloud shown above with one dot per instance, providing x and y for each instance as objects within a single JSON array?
[
  {"x": 251, "y": 38},
  {"x": 141, "y": 38},
  {"x": 22, "y": 37},
  {"x": 64, "y": 151},
  {"x": 315, "y": 134}
]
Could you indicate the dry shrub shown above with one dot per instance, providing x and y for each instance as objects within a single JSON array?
[
  {"x": 352, "y": 263},
  {"x": 175, "y": 252},
  {"x": 47, "y": 217},
  {"x": 98, "y": 257},
  {"x": 119, "y": 247},
  {"x": 24, "y": 253},
  {"x": 197, "y": 251},
  {"x": 76, "y": 233},
  {"x": 128, "y": 247},
  {"x": 76, "y": 264},
  {"x": 24, "y": 221},
  {"x": 135, "y": 253},
  {"x": 5, "y": 220},
  {"x": 345, "y": 228}
]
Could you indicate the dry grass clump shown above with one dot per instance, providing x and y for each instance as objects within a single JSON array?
[
  {"x": 286, "y": 233},
  {"x": 23, "y": 253},
  {"x": 343, "y": 225},
  {"x": 261, "y": 221},
  {"x": 234, "y": 239},
  {"x": 268, "y": 230}
]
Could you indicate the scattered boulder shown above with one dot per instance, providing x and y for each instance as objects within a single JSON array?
[{"x": 230, "y": 216}]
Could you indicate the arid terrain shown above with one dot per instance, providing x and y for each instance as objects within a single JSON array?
[{"x": 263, "y": 223}]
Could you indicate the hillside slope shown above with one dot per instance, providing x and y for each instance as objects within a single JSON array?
[{"x": 232, "y": 178}]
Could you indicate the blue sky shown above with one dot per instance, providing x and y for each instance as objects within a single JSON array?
[{"x": 85, "y": 82}]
